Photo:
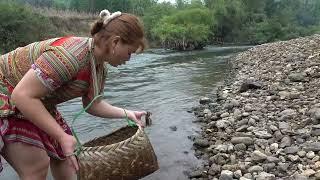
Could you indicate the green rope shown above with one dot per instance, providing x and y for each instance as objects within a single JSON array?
[
  {"x": 130, "y": 122},
  {"x": 79, "y": 146}
]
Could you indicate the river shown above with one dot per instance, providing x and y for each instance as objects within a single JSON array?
[{"x": 166, "y": 83}]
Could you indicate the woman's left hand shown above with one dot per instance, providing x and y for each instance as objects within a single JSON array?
[{"x": 136, "y": 116}]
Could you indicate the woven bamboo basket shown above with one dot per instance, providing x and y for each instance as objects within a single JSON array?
[{"x": 122, "y": 155}]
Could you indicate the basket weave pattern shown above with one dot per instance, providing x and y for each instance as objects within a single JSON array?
[{"x": 124, "y": 154}]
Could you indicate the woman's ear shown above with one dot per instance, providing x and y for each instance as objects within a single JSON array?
[{"x": 115, "y": 41}]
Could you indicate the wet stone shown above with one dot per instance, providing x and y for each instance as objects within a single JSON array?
[
  {"x": 283, "y": 167},
  {"x": 237, "y": 174},
  {"x": 300, "y": 177},
  {"x": 201, "y": 143},
  {"x": 293, "y": 158},
  {"x": 291, "y": 150},
  {"x": 287, "y": 114},
  {"x": 265, "y": 176},
  {"x": 195, "y": 174},
  {"x": 220, "y": 158},
  {"x": 243, "y": 122},
  {"x": 302, "y": 153},
  {"x": 242, "y": 140},
  {"x": 274, "y": 146},
  {"x": 284, "y": 125},
  {"x": 258, "y": 156},
  {"x": 296, "y": 77},
  {"x": 205, "y": 100},
  {"x": 308, "y": 172},
  {"x": 300, "y": 140},
  {"x": 316, "y": 158},
  {"x": 278, "y": 135},
  {"x": 226, "y": 175},
  {"x": 312, "y": 146},
  {"x": 214, "y": 169},
  {"x": 262, "y": 134},
  {"x": 250, "y": 84},
  {"x": 315, "y": 132},
  {"x": 273, "y": 128},
  {"x": 285, "y": 142},
  {"x": 173, "y": 128},
  {"x": 223, "y": 115},
  {"x": 255, "y": 169},
  {"x": 317, "y": 175},
  {"x": 222, "y": 124},
  {"x": 310, "y": 155},
  {"x": 240, "y": 147},
  {"x": 247, "y": 176},
  {"x": 242, "y": 128},
  {"x": 268, "y": 167}
]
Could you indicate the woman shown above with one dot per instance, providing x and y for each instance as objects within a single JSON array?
[{"x": 37, "y": 77}]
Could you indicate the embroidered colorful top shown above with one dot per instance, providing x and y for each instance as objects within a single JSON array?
[{"x": 66, "y": 66}]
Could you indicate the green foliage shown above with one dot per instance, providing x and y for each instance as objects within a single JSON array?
[
  {"x": 197, "y": 21},
  {"x": 252, "y": 21},
  {"x": 20, "y": 26},
  {"x": 229, "y": 16},
  {"x": 139, "y": 7},
  {"x": 112, "y": 5},
  {"x": 60, "y": 4},
  {"x": 81, "y": 5},
  {"x": 189, "y": 26},
  {"x": 153, "y": 15},
  {"x": 37, "y": 3},
  {"x": 170, "y": 32}
]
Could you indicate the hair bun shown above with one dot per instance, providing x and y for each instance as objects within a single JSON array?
[{"x": 106, "y": 16}]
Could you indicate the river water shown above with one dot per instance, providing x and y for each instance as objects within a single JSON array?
[{"x": 166, "y": 83}]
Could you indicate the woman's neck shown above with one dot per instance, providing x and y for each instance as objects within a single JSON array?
[{"x": 98, "y": 55}]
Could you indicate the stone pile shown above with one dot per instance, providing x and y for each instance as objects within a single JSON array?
[{"x": 264, "y": 122}]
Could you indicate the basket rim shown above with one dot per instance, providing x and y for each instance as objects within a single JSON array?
[
  {"x": 138, "y": 131},
  {"x": 85, "y": 157}
]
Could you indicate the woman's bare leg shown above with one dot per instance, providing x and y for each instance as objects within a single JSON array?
[
  {"x": 30, "y": 162},
  {"x": 61, "y": 169}
]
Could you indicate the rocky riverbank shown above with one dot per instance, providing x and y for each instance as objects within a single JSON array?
[{"x": 263, "y": 123}]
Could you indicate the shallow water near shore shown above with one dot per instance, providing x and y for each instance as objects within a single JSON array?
[{"x": 166, "y": 83}]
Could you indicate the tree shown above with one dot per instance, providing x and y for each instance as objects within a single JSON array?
[
  {"x": 139, "y": 7},
  {"x": 20, "y": 26},
  {"x": 229, "y": 17},
  {"x": 185, "y": 29},
  {"x": 61, "y": 4},
  {"x": 37, "y": 3},
  {"x": 152, "y": 16}
]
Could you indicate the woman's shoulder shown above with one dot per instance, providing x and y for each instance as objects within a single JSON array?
[{"x": 78, "y": 46}]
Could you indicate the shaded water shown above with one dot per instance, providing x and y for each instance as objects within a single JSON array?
[{"x": 167, "y": 84}]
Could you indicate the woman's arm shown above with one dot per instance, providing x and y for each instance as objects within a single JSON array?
[
  {"x": 26, "y": 96},
  {"x": 103, "y": 109}
]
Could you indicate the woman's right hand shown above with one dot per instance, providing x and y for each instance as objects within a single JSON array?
[{"x": 68, "y": 144}]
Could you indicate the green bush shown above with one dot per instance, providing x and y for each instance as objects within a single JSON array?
[
  {"x": 185, "y": 27},
  {"x": 20, "y": 26}
]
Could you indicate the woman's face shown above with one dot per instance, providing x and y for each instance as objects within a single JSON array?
[
  {"x": 114, "y": 52},
  {"x": 120, "y": 53}
]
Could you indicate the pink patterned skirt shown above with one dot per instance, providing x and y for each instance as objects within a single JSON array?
[{"x": 13, "y": 129}]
